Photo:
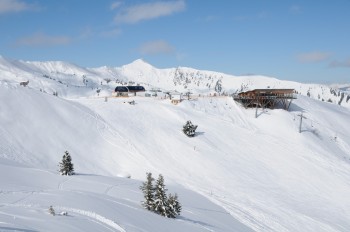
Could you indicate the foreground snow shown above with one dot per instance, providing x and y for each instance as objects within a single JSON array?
[{"x": 94, "y": 203}]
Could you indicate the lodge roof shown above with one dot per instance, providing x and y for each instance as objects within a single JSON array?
[
  {"x": 272, "y": 91},
  {"x": 129, "y": 88}
]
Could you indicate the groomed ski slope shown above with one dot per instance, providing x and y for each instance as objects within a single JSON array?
[{"x": 262, "y": 171}]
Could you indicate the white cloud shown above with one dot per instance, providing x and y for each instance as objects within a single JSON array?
[
  {"x": 40, "y": 39},
  {"x": 340, "y": 64},
  {"x": 156, "y": 47},
  {"x": 147, "y": 11},
  {"x": 115, "y": 5},
  {"x": 313, "y": 57},
  {"x": 10, "y": 6}
]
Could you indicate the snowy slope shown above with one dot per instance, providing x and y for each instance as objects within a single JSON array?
[
  {"x": 94, "y": 203},
  {"x": 262, "y": 174},
  {"x": 239, "y": 173},
  {"x": 35, "y": 130}
]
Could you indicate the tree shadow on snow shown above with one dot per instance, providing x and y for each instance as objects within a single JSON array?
[
  {"x": 199, "y": 133},
  {"x": 85, "y": 174},
  {"x": 204, "y": 224}
]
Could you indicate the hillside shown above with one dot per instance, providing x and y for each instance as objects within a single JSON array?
[{"x": 240, "y": 173}]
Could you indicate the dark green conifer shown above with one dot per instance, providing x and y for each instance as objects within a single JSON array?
[
  {"x": 66, "y": 166},
  {"x": 148, "y": 192}
]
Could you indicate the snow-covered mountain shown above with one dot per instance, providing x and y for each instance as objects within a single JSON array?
[
  {"x": 240, "y": 173},
  {"x": 69, "y": 80}
]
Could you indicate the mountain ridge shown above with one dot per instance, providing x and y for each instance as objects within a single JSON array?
[{"x": 58, "y": 76}]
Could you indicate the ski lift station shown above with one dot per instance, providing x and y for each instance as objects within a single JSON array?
[{"x": 266, "y": 98}]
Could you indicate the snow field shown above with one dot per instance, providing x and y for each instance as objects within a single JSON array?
[
  {"x": 94, "y": 203},
  {"x": 240, "y": 173}
]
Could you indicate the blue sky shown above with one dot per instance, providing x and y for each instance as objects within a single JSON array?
[{"x": 306, "y": 41}]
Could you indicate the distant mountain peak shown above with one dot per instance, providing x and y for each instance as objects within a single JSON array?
[{"x": 139, "y": 64}]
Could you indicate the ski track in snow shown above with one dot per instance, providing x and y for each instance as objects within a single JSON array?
[
  {"x": 12, "y": 151},
  {"x": 95, "y": 217},
  {"x": 109, "y": 189},
  {"x": 103, "y": 127},
  {"x": 59, "y": 186},
  {"x": 22, "y": 199},
  {"x": 107, "y": 129},
  {"x": 109, "y": 134}
]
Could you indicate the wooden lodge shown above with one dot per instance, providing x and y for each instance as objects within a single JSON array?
[{"x": 266, "y": 98}]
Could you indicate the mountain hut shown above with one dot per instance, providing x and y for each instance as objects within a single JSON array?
[
  {"x": 266, "y": 98},
  {"x": 124, "y": 91}
]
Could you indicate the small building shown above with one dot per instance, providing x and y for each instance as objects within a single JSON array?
[
  {"x": 266, "y": 98},
  {"x": 175, "y": 97},
  {"x": 124, "y": 91}
]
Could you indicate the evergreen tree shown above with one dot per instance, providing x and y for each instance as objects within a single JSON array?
[
  {"x": 148, "y": 192},
  {"x": 177, "y": 206},
  {"x": 174, "y": 206},
  {"x": 66, "y": 166},
  {"x": 160, "y": 197},
  {"x": 189, "y": 129}
]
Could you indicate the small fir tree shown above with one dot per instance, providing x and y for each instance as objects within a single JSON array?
[
  {"x": 66, "y": 166},
  {"x": 189, "y": 129},
  {"x": 156, "y": 199},
  {"x": 148, "y": 192},
  {"x": 174, "y": 206},
  {"x": 160, "y": 197},
  {"x": 177, "y": 206},
  {"x": 52, "y": 211}
]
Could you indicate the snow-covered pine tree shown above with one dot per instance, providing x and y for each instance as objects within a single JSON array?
[
  {"x": 160, "y": 197},
  {"x": 148, "y": 192},
  {"x": 66, "y": 166},
  {"x": 171, "y": 208},
  {"x": 174, "y": 206},
  {"x": 189, "y": 129}
]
